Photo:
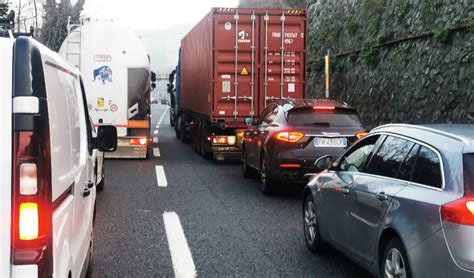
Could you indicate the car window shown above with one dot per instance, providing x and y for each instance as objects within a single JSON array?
[
  {"x": 311, "y": 117},
  {"x": 357, "y": 157},
  {"x": 468, "y": 162},
  {"x": 428, "y": 168},
  {"x": 389, "y": 157},
  {"x": 270, "y": 117},
  {"x": 264, "y": 114},
  {"x": 406, "y": 169}
]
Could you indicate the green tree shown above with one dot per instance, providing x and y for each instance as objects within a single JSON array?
[
  {"x": 4, "y": 9},
  {"x": 54, "y": 29}
]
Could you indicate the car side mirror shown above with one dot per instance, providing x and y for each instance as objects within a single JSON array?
[
  {"x": 106, "y": 138},
  {"x": 153, "y": 77},
  {"x": 249, "y": 121},
  {"x": 324, "y": 163}
]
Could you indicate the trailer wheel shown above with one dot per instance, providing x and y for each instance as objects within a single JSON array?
[
  {"x": 177, "y": 128},
  {"x": 171, "y": 121},
  {"x": 184, "y": 136}
]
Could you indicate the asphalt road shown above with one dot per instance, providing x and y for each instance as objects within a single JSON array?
[{"x": 228, "y": 228}]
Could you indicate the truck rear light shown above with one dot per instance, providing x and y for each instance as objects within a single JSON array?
[
  {"x": 460, "y": 211},
  {"x": 224, "y": 140},
  {"x": 361, "y": 134},
  {"x": 138, "y": 124},
  {"x": 138, "y": 141},
  {"x": 29, "y": 221},
  {"x": 289, "y": 136}
]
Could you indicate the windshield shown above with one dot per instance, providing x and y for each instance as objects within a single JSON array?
[{"x": 309, "y": 117}]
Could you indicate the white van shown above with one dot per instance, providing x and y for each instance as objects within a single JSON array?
[{"x": 47, "y": 192}]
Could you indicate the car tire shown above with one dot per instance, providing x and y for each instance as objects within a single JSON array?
[
  {"x": 100, "y": 186},
  {"x": 266, "y": 184},
  {"x": 247, "y": 171},
  {"x": 394, "y": 261},
  {"x": 312, "y": 233}
]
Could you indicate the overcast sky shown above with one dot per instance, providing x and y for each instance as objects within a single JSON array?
[{"x": 161, "y": 24}]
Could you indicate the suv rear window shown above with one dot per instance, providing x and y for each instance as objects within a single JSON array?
[
  {"x": 310, "y": 117},
  {"x": 469, "y": 174}
]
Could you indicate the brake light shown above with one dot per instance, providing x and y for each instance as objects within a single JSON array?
[
  {"x": 138, "y": 141},
  {"x": 460, "y": 211},
  {"x": 290, "y": 166},
  {"x": 323, "y": 107},
  {"x": 361, "y": 134},
  {"x": 224, "y": 140},
  {"x": 29, "y": 221},
  {"x": 289, "y": 136}
]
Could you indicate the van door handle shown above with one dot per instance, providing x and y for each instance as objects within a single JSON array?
[
  {"x": 90, "y": 184},
  {"x": 86, "y": 192},
  {"x": 381, "y": 196}
]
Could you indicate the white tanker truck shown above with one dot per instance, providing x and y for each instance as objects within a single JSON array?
[{"x": 116, "y": 76}]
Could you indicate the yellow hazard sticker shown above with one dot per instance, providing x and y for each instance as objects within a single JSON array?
[
  {"x": 244, "y": 72},
  {"x": 100, "y": 102}
]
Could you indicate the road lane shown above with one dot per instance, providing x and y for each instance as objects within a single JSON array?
[{"x": 230, "y": 227}]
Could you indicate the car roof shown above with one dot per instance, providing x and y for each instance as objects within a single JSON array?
[{"x": 461, "y": 134}]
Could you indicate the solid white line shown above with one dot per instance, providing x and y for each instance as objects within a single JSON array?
[
  {"x": 155, "y": 132},
  {"x": 156, "y": 152},
  {"x": 161, "y": 177},
  {"x": 155, "y": 140},
  {"x": 181, "y": 257}
]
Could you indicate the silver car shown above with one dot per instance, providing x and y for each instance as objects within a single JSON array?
[{"x": 399, "y": 202}]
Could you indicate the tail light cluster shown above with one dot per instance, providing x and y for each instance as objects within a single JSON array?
[
  {"x": 138, "y": 141},
  {"x": 289, "y": 136},
  {"x": 31, "y": 203},
  {"x": 461, "y": 211},
  {"x": 224, "y": 140}
]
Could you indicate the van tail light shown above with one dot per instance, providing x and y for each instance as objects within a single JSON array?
[
  {"x": 460, "y": 211},
  {"x": 31, "y": 227},
  {"x": 289, "y": 136}
]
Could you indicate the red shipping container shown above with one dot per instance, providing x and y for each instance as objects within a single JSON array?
[{"x": 235, "y": 61}]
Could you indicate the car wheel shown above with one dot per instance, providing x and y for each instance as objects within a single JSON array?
[
  {"x": 100, "y": 186},
  {"x": 395, "y": 261},
  {"x": 311, "y": 229},
  {"x": 247, "y": 171},
  {"x": 265, "y": 182}
]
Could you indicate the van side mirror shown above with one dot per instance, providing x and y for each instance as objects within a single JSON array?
[
  {"x": 324, "y": 163},
  {"x": 106, "y": 138},
  {"x": 153, "y": 77}
]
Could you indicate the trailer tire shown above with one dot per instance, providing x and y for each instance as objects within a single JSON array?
[
  {"x": 177, "y": 128},
  {"x": 171, "y": 121},
  {"x": 182, "y": 127}
]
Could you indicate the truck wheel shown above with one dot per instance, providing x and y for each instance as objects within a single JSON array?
[
  {"x": 171, "y": 121},
  {"x": 177, "y": 128},
  {"x": 184, "y": 136}
]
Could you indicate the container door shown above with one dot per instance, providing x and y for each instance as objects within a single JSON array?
[
  {"x": 6, "y": 47},
  {"x": 282, "y": 58},
  {"x": 235, "y": 63}
]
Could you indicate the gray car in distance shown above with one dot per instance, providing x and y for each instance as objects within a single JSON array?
[{"x": 399, "y": 202}]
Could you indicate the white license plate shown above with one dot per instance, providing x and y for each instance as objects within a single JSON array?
[{"x": 330, "y": 142}]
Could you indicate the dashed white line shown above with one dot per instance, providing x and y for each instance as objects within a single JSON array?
[
  {"x": 156, "y": 152},
  {"x": 161, "y": 176},
  {"x": 155, "y": 132},
  {"x": 181, "y": 257},
  {"x": 155, "y": 140}
]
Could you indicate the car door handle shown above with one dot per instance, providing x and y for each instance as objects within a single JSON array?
[
  {"x": 345, "y": 191},
  {"x": 86, "y": 192},
  {"x": 381, "y": 196}
]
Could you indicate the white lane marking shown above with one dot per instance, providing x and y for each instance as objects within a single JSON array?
[
  {"x": 181, "y": 257},
  {"x": 156, "y": 152},
  {"x": 155, "y": 132},
  {"x": 155, "y": 140},
  {"x": 161, "y": 177}
]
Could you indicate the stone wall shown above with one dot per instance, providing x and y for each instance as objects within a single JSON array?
[{"x": 409, "y": 61}]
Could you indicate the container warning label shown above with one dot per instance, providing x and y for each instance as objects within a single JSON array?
[
  {"x": 100, "y": 102},
  {"x": 244, "y": 72}
]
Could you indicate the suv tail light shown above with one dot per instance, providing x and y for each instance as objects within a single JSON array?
[
  {"x": 289, "y": 136},
  {"x": 460, "y": 211}
]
